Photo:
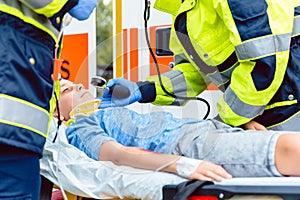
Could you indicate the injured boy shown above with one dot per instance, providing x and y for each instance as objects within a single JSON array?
[{"x": 190, "y": 148}]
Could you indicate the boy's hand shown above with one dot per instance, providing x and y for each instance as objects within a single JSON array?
[
  {"x": 253, "y": 125},
  {"x": 200, "y": 170},
  {"x": 210, "y": 172}
]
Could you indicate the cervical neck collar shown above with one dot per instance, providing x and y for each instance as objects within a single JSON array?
[{"x": 84, "y": 110}]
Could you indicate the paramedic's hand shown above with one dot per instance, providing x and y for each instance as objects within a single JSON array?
[
  {"x": 83, "y": 9},
  {"x": 253, "y": 125},
  {"x": 109, "y": 100},
  {"x": 200, "y": 170}
]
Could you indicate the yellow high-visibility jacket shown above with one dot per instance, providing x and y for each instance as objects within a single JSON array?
[{"x": 248, "y": 48}]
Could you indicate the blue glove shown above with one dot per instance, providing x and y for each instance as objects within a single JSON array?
[
  {"x": 110, "y": 100},
  {"x": 83, "y": 9}
]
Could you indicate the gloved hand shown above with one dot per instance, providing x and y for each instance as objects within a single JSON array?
[
  {"x": 83, "y": 9},
  {"x": 109, "y": 100}
]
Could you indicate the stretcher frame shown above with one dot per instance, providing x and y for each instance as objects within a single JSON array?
[{"x": 286, "y": 192}]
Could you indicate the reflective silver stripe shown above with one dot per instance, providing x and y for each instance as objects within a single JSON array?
[
  {"x": 214, "y": 76},
  {"x": 291, "y": 123},
  {"x": 296, "y": 28},
  {"x": 180, "y": 58},
  {"x": 263, "y": 46},
  {"x": 220, "y": 78},
  {"x": 37, "y": 20},
  {"x": 239, "y": 107},
  {"x": 178, "y": 85},
  {"x": 36, "y": 4},
  {"x": 23, "y": 114},
  {"x": 178, "y": 102}
]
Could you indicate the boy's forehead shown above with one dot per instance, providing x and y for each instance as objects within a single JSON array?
[{"x": 64, "y": 82}]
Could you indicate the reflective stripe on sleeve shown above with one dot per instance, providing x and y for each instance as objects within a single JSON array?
[
  {"x": 10, "y": 9},
  {"x": 35, "y": 4},
  {"x": 296, "y": 28},
  {"x": 178, "y": 82},
  {"x": 263, "y": 46},
  {"x": 51, "y": 7},
  {"x": 17, "y": 112},
  {"x": 221, "y": 78},
  {"x": 239, "y": 107},
  {"x": 180, "y": 58}
]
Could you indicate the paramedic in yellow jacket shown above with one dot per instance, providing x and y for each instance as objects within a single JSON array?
[
  {"x": 249, "y": 49},
  {"x": 29, "y": 31}
]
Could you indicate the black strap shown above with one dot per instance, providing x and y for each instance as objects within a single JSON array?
[
  {"x": 59, "y": 122},
  {"x": 185, "y": 189},
  {"x": 46, "y": 189}
]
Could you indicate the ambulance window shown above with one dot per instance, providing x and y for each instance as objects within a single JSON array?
[{"x": 162, "y": 42}]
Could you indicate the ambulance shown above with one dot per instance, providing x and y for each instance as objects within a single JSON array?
[{"x": 132, "y": 59}]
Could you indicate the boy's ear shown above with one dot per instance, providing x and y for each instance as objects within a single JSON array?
[{"x": 55, "y": 114}]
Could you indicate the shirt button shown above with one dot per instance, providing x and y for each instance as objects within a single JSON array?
[
  {"x": 171, "y": 65},
  {"x": 32, "y": 61},
  {"x": 58, "y": 20},
  {"x": 291, "y": 97},
  {"x": 205, "y": 55}
]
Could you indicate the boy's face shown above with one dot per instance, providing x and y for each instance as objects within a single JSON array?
[{"x": 72, "y": 95}]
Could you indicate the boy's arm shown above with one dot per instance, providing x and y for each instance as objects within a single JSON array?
[{"x": 143, "y": 159}]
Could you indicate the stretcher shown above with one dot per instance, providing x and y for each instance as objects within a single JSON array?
[
  {"x": 64, "y": 165},
  {"x": 72, "y": 170},
  {"x": 286, "y": 188}
]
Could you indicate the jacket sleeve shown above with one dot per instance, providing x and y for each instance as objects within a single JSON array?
[
  {"x": 183, "y": 80},
  {"x": 52, "y": 9},
  {"x": 49, "y": 8},
  {"x": 260, "y": 32}
]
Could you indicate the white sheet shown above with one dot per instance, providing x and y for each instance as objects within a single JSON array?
[{"x": 65, "y": 165}]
